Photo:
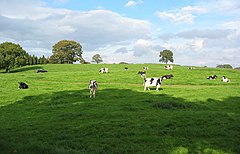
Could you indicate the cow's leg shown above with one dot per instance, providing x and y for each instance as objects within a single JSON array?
[
  {"x": 157, "y": 88},
  {"x": 94, "y": 92},
  {"x": 145, "y": 88}
]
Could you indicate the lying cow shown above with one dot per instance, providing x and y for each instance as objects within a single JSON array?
[
  {"x": 152, "y": 82},
  {"x": 41, "y": 71},
  {"x": 212, "y": 77},
  {"x": 225, "y": 79},
  {"x": 93, "y": 88},
  {"x": 168, "y": 67},
  {"x": 167, "y": 76},
  {"x": 142, "y": 73},
  {"x": 103, "y": 70},
  {"x": 145, "y": 68},
  {"x": 22, "y": 85}
]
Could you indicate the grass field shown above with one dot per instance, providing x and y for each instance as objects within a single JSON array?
[{"x": 189, "y": 114}]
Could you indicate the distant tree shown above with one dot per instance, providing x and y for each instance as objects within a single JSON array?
[
  {"x": 165, "y": 56},
  {"x": 11, "y": 56},
  {"x": 224, "y": 66},
  {"x": 97, "y": 58},
  {"x": 123, "y": 63},
  {"x": 66, "y": 52}
]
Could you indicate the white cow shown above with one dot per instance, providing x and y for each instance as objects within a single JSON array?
[
  {"x": 93, "y": 88},
  {"x": 168, "y": 67},
  {"x": 103, "y": 70},
  {"x": 152, "y": 82},
  {"x": 224, "y": 79}
]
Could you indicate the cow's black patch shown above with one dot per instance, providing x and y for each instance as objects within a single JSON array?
[{"x": 151, "y": 81}]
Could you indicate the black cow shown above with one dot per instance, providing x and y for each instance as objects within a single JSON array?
[
  {"x": 22, "y": 85},
  {"x": 212, "y": 77},
  {"x": 41, "y": 71},
  {"x": 167, "y": 76}
]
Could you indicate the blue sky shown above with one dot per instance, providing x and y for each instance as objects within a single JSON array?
[{"x": 199, "y": 32}]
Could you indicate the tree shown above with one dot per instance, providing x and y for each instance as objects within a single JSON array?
[
  {"x": 224, "y": 66},
  {"x": 97, "y": 58},
  {"x": 66, "y": 52},
  {"x": 11, "y": 56},
  {"x": 165, "y": 56}
]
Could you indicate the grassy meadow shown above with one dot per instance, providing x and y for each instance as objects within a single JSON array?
[{"x": 189, "y": 114}]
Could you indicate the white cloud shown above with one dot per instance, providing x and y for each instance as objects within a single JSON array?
[
  {"x": 183, "y": 15},
  {"x": 133, "y": 3},
  {"x": 93, "y": 29}
]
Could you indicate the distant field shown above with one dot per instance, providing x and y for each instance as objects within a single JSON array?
[{"x": 189, "y": 114}]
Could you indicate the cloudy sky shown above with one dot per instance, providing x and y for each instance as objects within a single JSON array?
[{"x": 199, "y": 32}]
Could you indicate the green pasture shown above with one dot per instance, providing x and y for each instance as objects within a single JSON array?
[{"x": 189, "y": 114}]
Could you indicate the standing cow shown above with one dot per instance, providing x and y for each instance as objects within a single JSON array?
[
  {"x": 152, "y": 82},
  {"x": 168, "y": 67},
  {"x": 103, "y": 70},
  {"x": 93, "y": 88}
]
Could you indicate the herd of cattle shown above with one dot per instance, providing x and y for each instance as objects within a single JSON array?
[{"x": 148, "y": 82}]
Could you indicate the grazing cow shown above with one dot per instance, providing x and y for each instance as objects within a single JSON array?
[
  {"x": 225, "y": 79},
  {"x": 167, "y": 76},
  {"x": 145, "y": 68},
  {"x": 142, "y": 73},
  {"x": 93, "y": 88},
  {"x": 152, "y": 82},
  {"x": 168, "y": 67},
  {"x": 212, "y": 77},
  {"x": 22, "y": 85},
  {"x": 191, "y": 68},
  {"x": 103, "y": 70},
  {"x": 41, "y": 71}
]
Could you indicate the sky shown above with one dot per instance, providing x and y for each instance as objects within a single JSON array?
[{"x": 199, "y": 32}]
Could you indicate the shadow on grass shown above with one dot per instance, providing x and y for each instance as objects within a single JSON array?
[
  {"x": 119, "y": 121},
  {"x": 24, "y": 69}
]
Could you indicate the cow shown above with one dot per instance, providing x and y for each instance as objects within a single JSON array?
[
  {"x": 191, "y": 68},
  {"x": 93, "y": 88},
  {"x": 103, "y": 70},
  {"x": 22, "y": 85},
  {"x": 168, "y": 67},
  {"x": 41, "y": 71},
  {"x": 142, "y": 73},
  {"x": 167, "y": 76},
  {"x": 145, "y": 68},
  {"x": 212, "y": 77},
  {"x": 152, "y": 82},
  {"x": 225, "y": 79}
]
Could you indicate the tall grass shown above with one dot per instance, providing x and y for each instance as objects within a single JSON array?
[{"x": 189, "y": 114}]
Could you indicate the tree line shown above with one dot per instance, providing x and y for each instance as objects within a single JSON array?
[
  {"x": 13, "y": 56},
  {"x": 63, "y": 52}
]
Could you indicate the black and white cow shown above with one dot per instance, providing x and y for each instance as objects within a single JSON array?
[
  {"x": 191, "y": 68},
  {"x": 212, "y": 77},
  {"x": 152, "y": 82},
  {"x": 41, "y": 71},
  {"x": 167, "y": 76},
  {"x": 22, "y": 85},
  {"x": 142, "y": 73},
  {"x": 145, "y": 68},
  {"x": 103, "y": 70},
  {"x": 168, "y": 67},
  {"x": 225, "y": 79},
  {"x": 93, "y": 88}
]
